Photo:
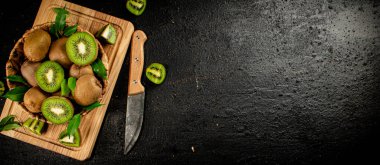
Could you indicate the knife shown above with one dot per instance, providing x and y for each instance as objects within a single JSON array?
[{"x": 136, "y": 91}]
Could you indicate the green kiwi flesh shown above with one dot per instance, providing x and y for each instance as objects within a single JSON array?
[
  {"x": 57, "y": 110},
  {"x": 81, "y": 48},
  {"x": 49, "y": 76},
  {"x": 70, "y": 140},
  {"x": 34, "y": 125},
  {"x": 107, "y": 33}
]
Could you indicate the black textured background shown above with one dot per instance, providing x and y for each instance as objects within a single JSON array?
[{"x": 249, "y": 82}]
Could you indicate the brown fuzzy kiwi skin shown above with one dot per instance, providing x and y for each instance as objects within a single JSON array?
[
  {"x": 78, "y": 71},
  {"x": 58, "y": 93},
  {"x": 28, "y": 69},
  {"x": 88, "y": 89},
  {"x": 36, "y": 45},
  {"x": 33, "y": 99},
  {"x": 58, "y": 53}
]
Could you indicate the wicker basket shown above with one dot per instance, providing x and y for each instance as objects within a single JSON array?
[{"x": 17, "y": 58}]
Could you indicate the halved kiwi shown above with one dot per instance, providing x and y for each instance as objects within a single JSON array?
[
  {"x": 70, "y": 140},
  {"x": 81, "y": 48},
  {"x": 57, "y": 110},
  {"x": 49, "y": 76}
]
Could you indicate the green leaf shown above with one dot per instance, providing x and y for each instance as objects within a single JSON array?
[
  {"x": 99, "y": 69},
  {"x": 60, "y": 22},
  {"x": 73, "y": 124},
  {"x": 61, "y": 10},
  {"x": 53, "y": 31},
  {"x": 92, "y": 106},
  {"x": 17, "y": 78},
  {"x": 65, "y": 90},
  {"x": 17, "y": 94},
  {"x": 8, "y": 123},
  {"x": 72, "y": 82},
  {"x": 7, "y": 120},
  {"x": 10, "y": 126},
  {"x": 60, "y": 18},
  {"x": 70, "y": 30}
]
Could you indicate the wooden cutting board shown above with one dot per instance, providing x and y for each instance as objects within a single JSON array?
[{"x": 92, "y": 21}]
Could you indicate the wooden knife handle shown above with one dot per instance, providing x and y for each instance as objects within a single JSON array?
[{"x": 136, "y": 64}]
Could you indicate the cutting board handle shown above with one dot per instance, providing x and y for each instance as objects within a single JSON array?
[{"x": 136, "y": 64}]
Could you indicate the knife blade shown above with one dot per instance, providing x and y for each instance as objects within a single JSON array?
[{"x": 136, "y": 91}]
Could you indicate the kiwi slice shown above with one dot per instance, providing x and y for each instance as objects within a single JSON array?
[
  {"x": 57, "y": 109},
  {"x": 49, "y": 76},
  {"x": 81, "y": 48},
  {"x": 70, "y": 140},
  {"x": 108, "y": 34},
  {"x": 34, "y": 125},
  {"x": 156, "y": 73}
]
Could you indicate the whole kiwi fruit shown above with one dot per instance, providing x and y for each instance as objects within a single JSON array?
[
  {"x": 33, "y": 99},
  {"x": 36, "y": 45},
  {"x": 78, "y": 71},
  {"x": 58, "y": 52},
  {"x": 82, "y": 48},
  {"x": 57, "y": 110},
  {"x": 28, "y": 69},
  {"x": 49, "y": 76},
  {"x": 88, "y": 89}
]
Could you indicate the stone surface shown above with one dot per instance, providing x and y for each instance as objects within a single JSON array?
[{"x": 249, "y": 82}]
